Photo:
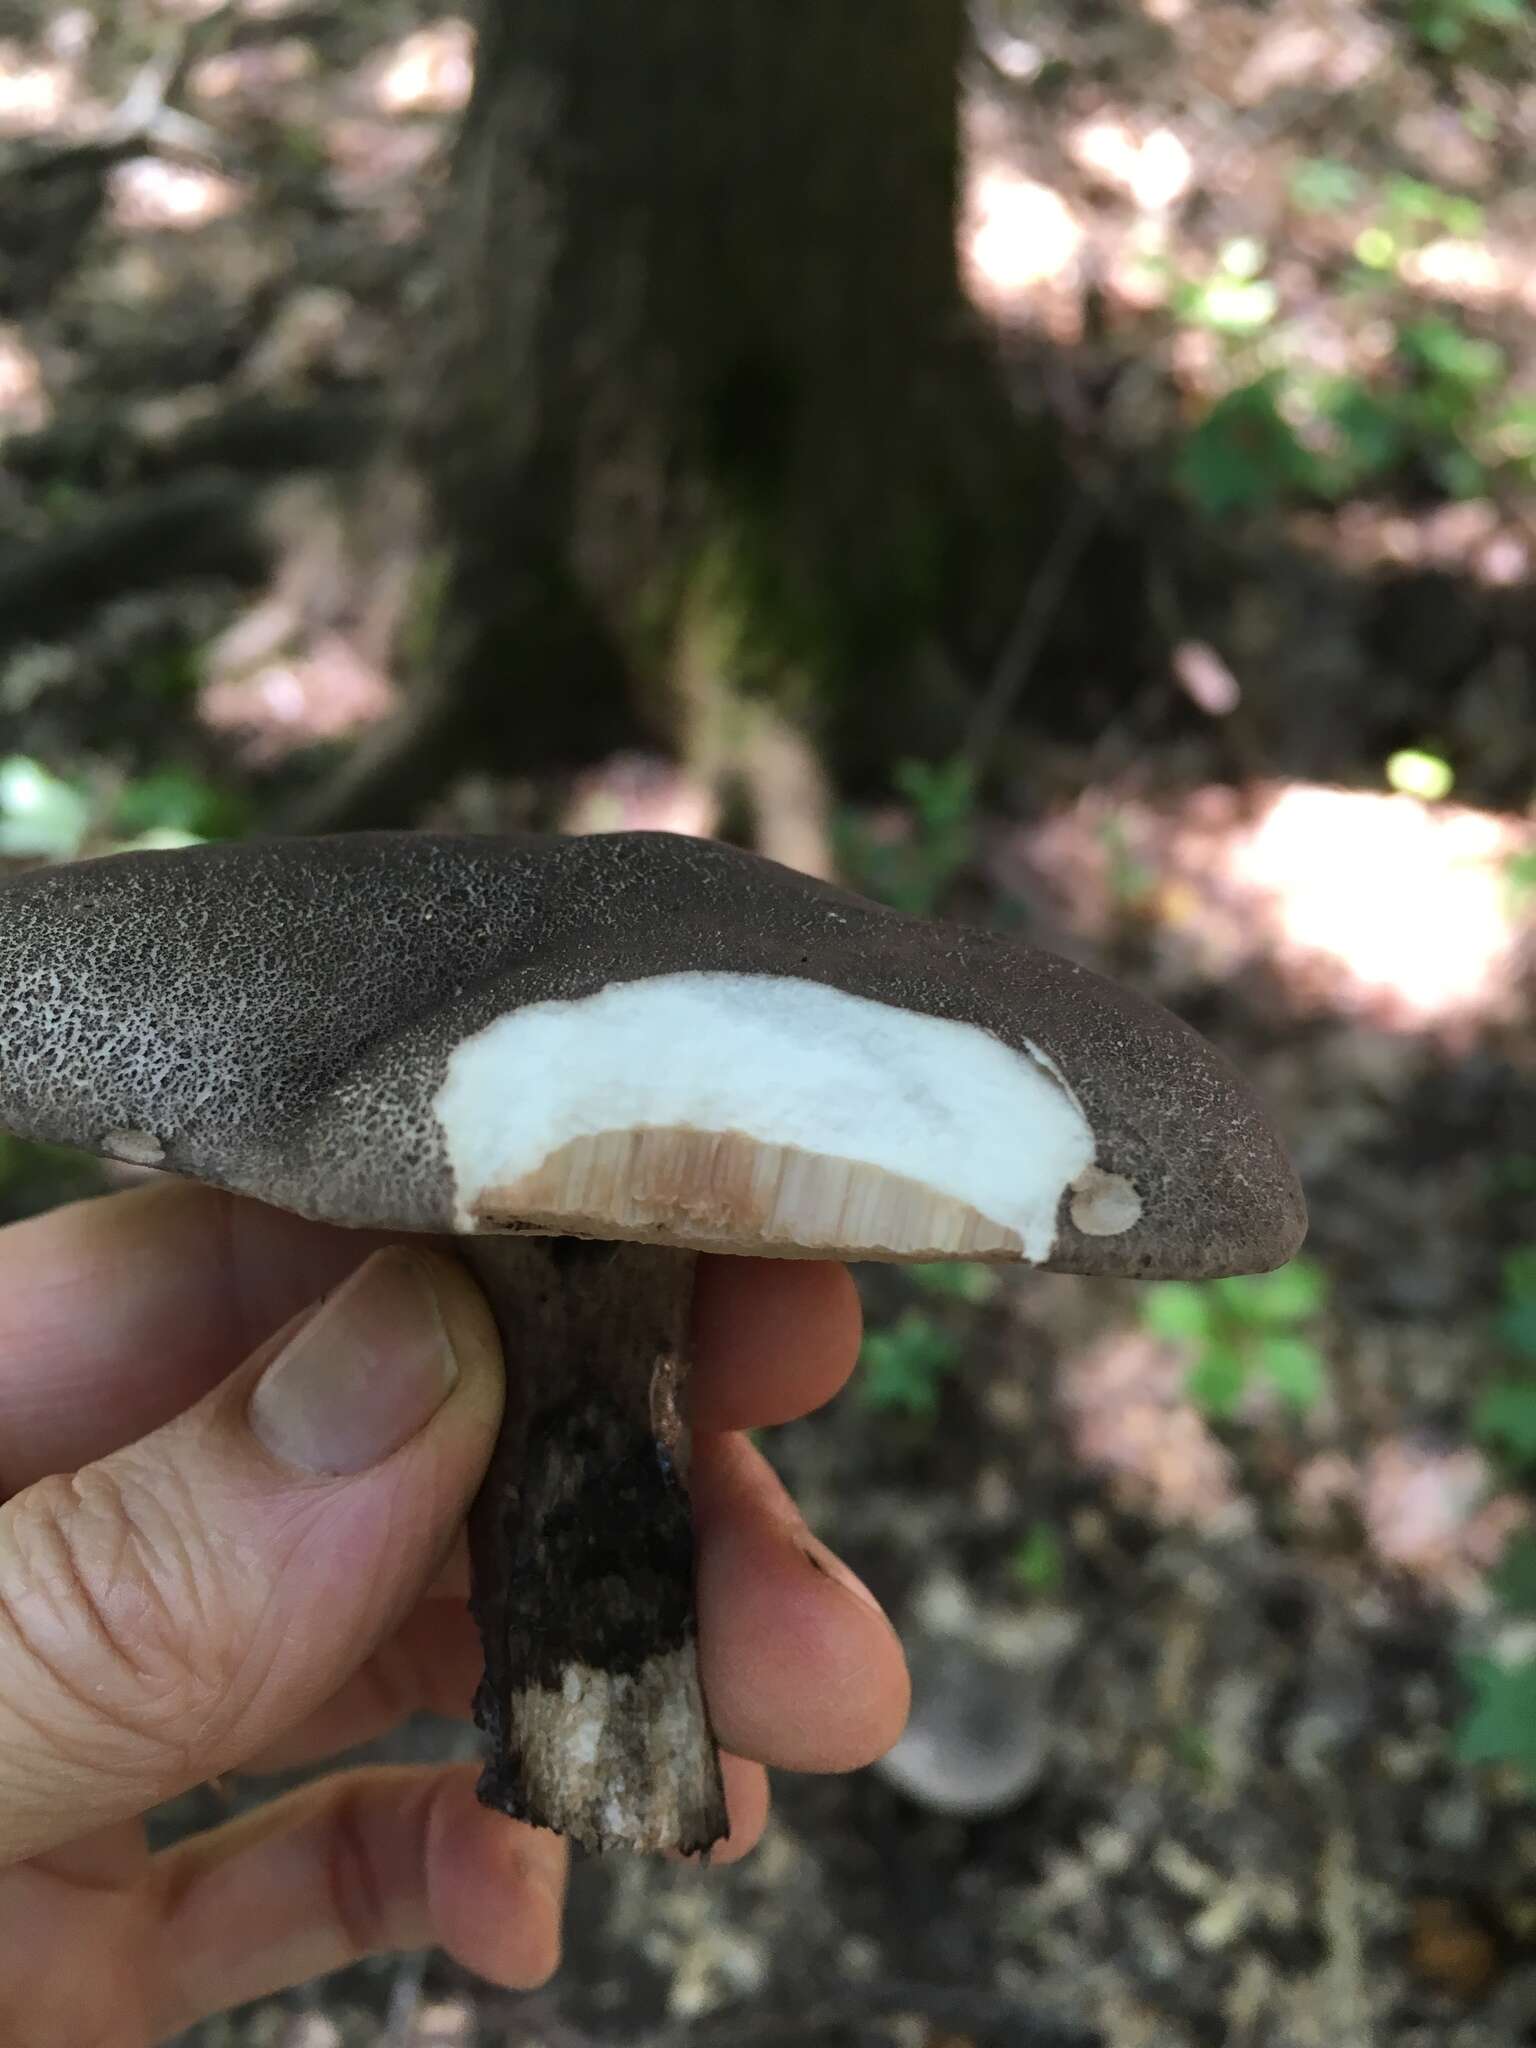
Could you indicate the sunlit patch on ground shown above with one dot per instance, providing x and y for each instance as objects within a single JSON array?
[
  {"x": 1129, "y": 1417},
  {"x": 1247, "y": 55},
  {"x": 1436, "y": 1514},
  {"x": 428, "y": 72},
  {"x": 1152, "y": 169},
  {"x": 378, "y": 164},
  {"x": 323, "y": 692},
  {"x": 319, "y": 331},
  {"x": 1474, "y": 537},
  {"x": 147, "y": 194},
  {"x": 1020, "y": 245},
  {"x": 24, "y": 405},
  {"x": 1469, "y": 272},
  {"x": 1401, "y": 912},
  {"x": 254, "y": 79},
  {"x": 640, "y": 793},
  {"x": 34, "y": 92}
]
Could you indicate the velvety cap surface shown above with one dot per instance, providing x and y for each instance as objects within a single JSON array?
[{"x": 455, "y": 1033}]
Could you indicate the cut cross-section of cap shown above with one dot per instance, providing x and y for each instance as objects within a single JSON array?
[{"x": 663, "y": 1044}]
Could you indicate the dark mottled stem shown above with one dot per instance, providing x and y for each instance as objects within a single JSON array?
[{"x": 581, "y": 1551}]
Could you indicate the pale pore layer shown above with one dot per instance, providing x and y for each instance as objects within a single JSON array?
[
  {"x": 723, "y": 1191},
  {"x": 760, "y": 1112}
]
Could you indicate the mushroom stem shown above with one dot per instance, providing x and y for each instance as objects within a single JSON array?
[{"x": 581, "y": 1550}]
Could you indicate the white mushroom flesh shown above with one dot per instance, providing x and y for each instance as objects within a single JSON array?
[{"x": 760, "y": 1113}]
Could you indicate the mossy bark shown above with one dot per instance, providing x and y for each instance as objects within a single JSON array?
[{"x": 700, "y": 332}]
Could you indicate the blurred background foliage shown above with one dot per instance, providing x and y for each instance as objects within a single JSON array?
[{"x": 1179, "y": 616}]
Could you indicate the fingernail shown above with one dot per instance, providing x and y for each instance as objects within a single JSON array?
[
  {"x": 369, "y": 1369},
  {"x": 832, "y": 1567}
]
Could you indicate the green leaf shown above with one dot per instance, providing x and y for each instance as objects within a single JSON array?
[
  {"x": 1520, "y": 879},
  {"x": 1231, "y": 305},
  {"x": 40, "y": 815},
  {"x": 1513, "y": 1579},
  {"x": 1517, "y": 1328},
  {"x": 1446, "y": 350},
  {"x": 1512, "y": 430},
  {"x": 941, "y": 792},
  {"x": 1289, "y": 1295},
  {"x": 1370, "y": 431},
  {"x": 1516, "y": 1321},
  {"x": 1415, "y": 202},
  {"x": 1131, "y": 880},
  {"x": 902, "y": 1366},
  {"x": 1321, "y": 184},
  {"x": 175, "y": 800},
  {"x": 1411, "y": 771},
  {"x": 1178, "y": 1311},
  {"x": 1217, "y": 1381},
  {"x": 1244, "y": 453},
  {"x": 1037, "y": 1563},
  {"x": 956, "y": 1280},
  {"x": 1377, "y": 248},
  {"x": 1192, "y": 1746},
  {"x": 1459, "y": 473},
  {"x": 1500, "y": 1727},
  {"x": 1294, "y": 1368},
  {"x": 1506, "y": 1418}
]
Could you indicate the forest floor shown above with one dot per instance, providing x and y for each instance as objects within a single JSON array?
[{"x": 1200, "y": 1644}]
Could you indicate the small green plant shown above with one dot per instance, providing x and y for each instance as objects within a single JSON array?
[
  {"x": 1517, "y": 1309},
  {"x": 1413, "y": 208},
  {"x": 1321, "y": 184},
  {"x": 41, "y": 816},
  {"x": 1520, "y": 882},
  {"x": 1505, "y": 1418},
  {"x": 956, "y": 1280},
  {"x": 1194, "y": 1749},
  {"x": 1513, "y": 1579},
  {"x": 1131, "y": 881},
  {"x": 1242, "y": 1330},
  {"x": 1245, "y": 453},
  {"x": 904, "y": 1364},
  {"x": 37, "y": 1177},
  {"x": 1499, "y": 1725},
  {"x": 1038, "y": 1564},
  {"x": 915, "y": 871},
  {"x": 1236, "y": 298},
  {"x": 1453, "y": 27},
  {"x": 1439, "y": 405},
  {"x": 1413, "y": 771},
  {"x": 174, "y": 800}
]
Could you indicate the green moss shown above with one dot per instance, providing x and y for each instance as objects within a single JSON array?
[{"x": 421, "y": 626}]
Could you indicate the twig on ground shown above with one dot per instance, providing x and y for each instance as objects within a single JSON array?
[{"x": 1042, "y": 602}]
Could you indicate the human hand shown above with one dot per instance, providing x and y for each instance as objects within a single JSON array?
[{"x": 177, "y": 1601}]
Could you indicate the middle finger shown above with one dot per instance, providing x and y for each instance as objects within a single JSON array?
[{"x": 801, "y": 1670}]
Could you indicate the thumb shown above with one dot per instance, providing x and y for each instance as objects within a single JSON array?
[{"x": 169, "y": 1611}]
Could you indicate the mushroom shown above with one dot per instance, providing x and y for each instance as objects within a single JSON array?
[{"x": 587, "y": 1060}]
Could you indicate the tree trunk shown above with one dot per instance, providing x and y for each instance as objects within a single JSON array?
[{"x": 708, "y": 426}]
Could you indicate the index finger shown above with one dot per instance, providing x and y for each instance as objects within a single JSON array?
[{"x": 118, "y": 1313}]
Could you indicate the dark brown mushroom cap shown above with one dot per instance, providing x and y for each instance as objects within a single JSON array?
[{"x": 278, "y": 1016}]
